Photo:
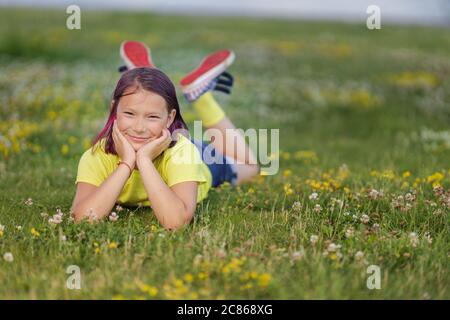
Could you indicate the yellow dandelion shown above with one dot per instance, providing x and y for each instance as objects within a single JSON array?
[
  {"x": 264, "y": 280},
  {"x": 188, "y": 277},
  {"x": 35, "y": 233},
  {"x": 113, "y": 245},
  {"x": 64, "y": 149}
]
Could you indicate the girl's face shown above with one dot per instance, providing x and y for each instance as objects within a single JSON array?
[{"x": 142, "y": 116}]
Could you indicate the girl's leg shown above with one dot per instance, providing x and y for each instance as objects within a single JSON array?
[{"x": 226, "y": 138}]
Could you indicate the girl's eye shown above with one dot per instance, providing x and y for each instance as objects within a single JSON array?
[
  {"x": 154, "y": 117},
  {"x": 129, "y": 113}
]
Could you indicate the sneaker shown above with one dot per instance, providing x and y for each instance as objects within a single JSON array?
[
  {"x": 206, "y": 76},
  {"x": 135, "y": 54}
]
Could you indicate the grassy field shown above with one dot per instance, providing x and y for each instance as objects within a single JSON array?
[{"x": 364, "y": 123}]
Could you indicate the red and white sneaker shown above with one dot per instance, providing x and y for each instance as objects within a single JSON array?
[
  {"x": 204, "y": 78},
  {"x": 135, "y": 54}
]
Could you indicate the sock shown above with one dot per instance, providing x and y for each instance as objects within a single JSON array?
[{"x": 208, "y": 110}]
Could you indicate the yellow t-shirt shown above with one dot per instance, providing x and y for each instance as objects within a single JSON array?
[{"x": 178, "y": 164}]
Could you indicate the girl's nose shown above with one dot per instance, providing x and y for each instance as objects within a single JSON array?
[{"x": 139, "y": 126}]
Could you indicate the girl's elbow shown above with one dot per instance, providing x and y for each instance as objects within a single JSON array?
[{"x": 185, "y": 219}]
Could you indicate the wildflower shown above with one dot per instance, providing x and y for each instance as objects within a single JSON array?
[
  {"x": 118, "y": 208},
  {"x": 313, "y": 239},
  {"x": 220, "y": 253},
  {"x": 8, "y": 257},
  {"x": 92, "y": 215},
  {"x": 264, "y": 280},
  {"x": 29, "y": 202},
  {"x": 56, "y": 219},
  {"x": 414, "y": 239},
  {"x": 188, "y": 278},
  {"x": 35, "y": 233},
  {"x": 2, "y": 230},
  {"x": 332, "y": 247},
  {"x": 287, "y": 173},
  {"x": 359, "y": 256},
  {"x": 44, "y": 214},
  {"x": 365, "y": 219},
  {"x": 349, "y": 232},
  {"x": 317, "y": 208},
  {"x": 406, "y": 174},
  {"x": 313, "y": 196},
  {"x": 64, "y": 149},
  {"x": 113, "y": 216},
  {"x": 296, "y": 206},
  {"x": 410, "y": 197},
  {"x": 375, "y": 194},
  {"x": 19, "y": 228},
  {"x": 63, "y": 238},
  {"x": 113, "y": 245},
  {"x": 375, "y": 226},
  {"x": 288, "y": 190},
  {"x": 435, "y": 179},
  {"x": 297, "y": 255},
  {"x": 428, "y": 237}
]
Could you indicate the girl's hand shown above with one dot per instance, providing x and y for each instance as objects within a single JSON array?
[
  {"x": 123, "y": 148},
  {"x": 155, "y": 147}
]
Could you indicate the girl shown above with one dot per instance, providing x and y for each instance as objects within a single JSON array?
[{"x": 142, "y": 157}]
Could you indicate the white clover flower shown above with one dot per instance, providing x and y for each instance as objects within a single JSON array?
[
  {"x": 332, "y": 247},
  {"x": 29, "y": 202},
  {"x": 92, "y": 215},
  {"x": 8, "y": 257},
  {"x": 113, "y": 216},
  {"x": 296, "y": 206},
  {"x": 63, "y": 238},
  {"x": 317, "y": 208},
  {"x": 19, "y": 228},
  {"x": 340, "y": 203},
  {"x": 2, "y": 228},
  {"x": 313, "y": 239},
  {"x": 346, "y": 213},
  {"x": 56, "y": 219},
  {"x": 349, "y": 232},
  {"x": 118, "y": 208},
  {"x": 376, "y": 226},
  {"x": 414, "y": 239},
  {"x": 428, "y": 237},
  {"x": 365, "y": 219},
  {"x": 297, "y": 255},
  {"x": 359, "y": 255},
  {"x": 313, "y": 196},
  {"x": 373, "y": 194}
]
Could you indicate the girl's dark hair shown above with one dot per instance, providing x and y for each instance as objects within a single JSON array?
[{"x": 149, "y": 79}]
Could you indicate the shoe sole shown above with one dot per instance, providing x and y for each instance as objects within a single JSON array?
[
  {"x": 135, "y": 54},
  {"x": 211, "y": 67}
]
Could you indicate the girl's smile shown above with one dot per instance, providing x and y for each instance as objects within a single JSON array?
[{"x": 141, "y": 116}]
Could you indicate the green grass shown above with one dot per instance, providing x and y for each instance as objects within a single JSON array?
[{"x": 356, "y": 109}]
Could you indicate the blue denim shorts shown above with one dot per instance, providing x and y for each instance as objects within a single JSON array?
[{"x": 222, "y": 167}]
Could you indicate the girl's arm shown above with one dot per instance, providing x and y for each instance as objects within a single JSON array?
[
  {"x": 102, "y": 199},
  {"x": 173, "y": 207}
]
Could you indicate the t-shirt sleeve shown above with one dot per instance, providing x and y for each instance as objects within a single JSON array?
[
  {"x": 92, "y": 168},
  {"x": 185, "y": 164}
]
